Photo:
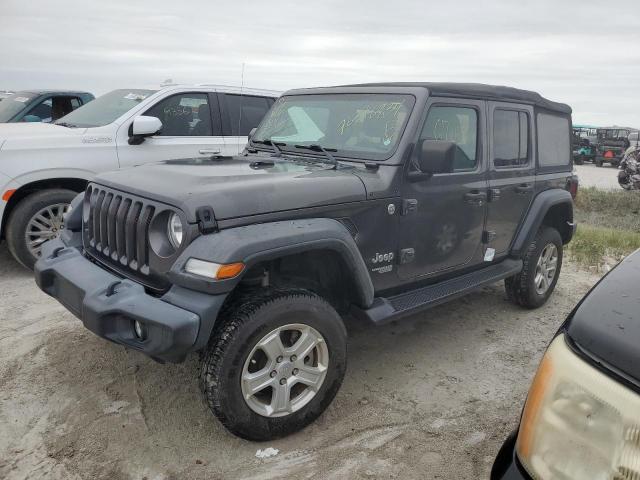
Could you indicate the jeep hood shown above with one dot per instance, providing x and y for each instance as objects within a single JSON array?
[{"x": 236, "y": 187}]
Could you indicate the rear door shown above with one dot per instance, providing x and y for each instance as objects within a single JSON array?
[
  {"x": 240, "y": 114},
  {"x": 511, "y": 173},
  {"x": 442, "y": 217},
  {"x": 190, "y": 129}
]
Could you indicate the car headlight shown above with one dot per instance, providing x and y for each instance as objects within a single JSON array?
[
  {"x": 174, "y": 230},
  {"x": 578, "y": 422}
]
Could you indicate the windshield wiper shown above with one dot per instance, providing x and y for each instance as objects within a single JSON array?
[
  {"x": 65, "y": 124},
  {"x": 320, "y": 148},
  {"x": 275, "y": 145}
]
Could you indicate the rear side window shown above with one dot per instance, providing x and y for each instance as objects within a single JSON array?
[
  {"x": 510, "y": 138},
  {"x": 554, "y": 140},
  {"x": 245, "y": 112}
]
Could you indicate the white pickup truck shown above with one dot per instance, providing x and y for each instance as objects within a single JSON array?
[{"x": 43, "y": 166}]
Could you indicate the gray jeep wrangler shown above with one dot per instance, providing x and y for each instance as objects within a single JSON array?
[{"x": 376, "y": 201}]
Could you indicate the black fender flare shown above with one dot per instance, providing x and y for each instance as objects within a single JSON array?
[
  {"x": 256, "y": 243},
  {"x": 541, "y": 204}
]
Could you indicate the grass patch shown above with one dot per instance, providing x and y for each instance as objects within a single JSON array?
[
  {"x": 598, "y": 246},
  {"x": 616, "y": 209},
  {"x": 608, "y": 226}
]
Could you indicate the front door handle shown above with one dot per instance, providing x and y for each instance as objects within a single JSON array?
[
  {"x": 209, "y": 152},
  {"x": 524, "y": 188},
  {"x": 475, "y": 197}
]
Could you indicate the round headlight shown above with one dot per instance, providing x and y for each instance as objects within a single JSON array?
[{"x": 174, "y": 230}]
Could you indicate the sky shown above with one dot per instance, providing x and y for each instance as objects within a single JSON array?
[{"x": 585, "y": 53}]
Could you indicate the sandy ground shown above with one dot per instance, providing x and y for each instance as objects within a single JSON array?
[
  {"x": 432, "y": 397},
  {"x": 605, "y": 177}
]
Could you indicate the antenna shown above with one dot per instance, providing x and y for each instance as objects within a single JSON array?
[{"x": 241, "y": 97}]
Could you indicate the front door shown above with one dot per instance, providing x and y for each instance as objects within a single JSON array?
[
  {"x": 191, "y": 128},
  {"x": 443, "y": 216},
  {"x": 512, "y": 172}
]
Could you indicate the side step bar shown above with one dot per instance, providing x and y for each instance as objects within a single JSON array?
[{"x": 385, "y": 310}]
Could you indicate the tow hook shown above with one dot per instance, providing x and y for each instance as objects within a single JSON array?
[{"x": 111, "y": 289}]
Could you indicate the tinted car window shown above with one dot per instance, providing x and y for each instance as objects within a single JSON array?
[
  {"x": 510, "y": 138},
  {"x": 554, "y": 140},
  {"x": 41, "y": 112},
  {"x": 458, "y": 125},
  {"x": 183, "y": 115},
  {"x": 245, "y": 112}
]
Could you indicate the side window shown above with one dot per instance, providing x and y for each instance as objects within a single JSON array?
[
  {"x": 554, "y": 140},
  {"x": 183, "y": 115},
  {"x": 458, "y": 125},
  {"x": 245, "y": 112},
  {"x": 40, "y": 112},
  {"x": 75, "y": 102},
  {"x": 510, "y": 138}
]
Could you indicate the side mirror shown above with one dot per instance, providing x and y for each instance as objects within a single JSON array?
[
  {"x": 436, "y": 156},
  {"x": 143, "y": 127}
]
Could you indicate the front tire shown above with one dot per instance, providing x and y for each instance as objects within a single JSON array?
[
  {"x": 274, "y": 364},
  {"x": 533, "y": 286},
  {"x": 34, "y": 220}
]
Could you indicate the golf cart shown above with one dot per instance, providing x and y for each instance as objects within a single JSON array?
[
  {"x": 584, "y": 143},
  {"x": 612, "y": 144}
]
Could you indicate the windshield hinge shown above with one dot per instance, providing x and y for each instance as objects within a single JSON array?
[{"x": 206, "y": 220}]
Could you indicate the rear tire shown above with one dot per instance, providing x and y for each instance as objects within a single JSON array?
[
  {"x": 579, "y": 160},
  {"x": 533, "y": 286},
  {"x": 25, "y": 212},
  {"x": 251, "y": 359},
  {"x": 598, "y": 162}
]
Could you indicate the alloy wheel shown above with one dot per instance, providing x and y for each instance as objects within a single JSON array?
[
  {"x": 285, "y": 370},
  {"x": 45, "y": 225},
  {"x": 546, "y": 268}
]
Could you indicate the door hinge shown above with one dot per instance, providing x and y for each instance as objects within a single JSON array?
[
  {"x": 407, "y": 255},
  {"x": 206, "y": 220},
  {"x": 488, "y": 236},
  {"x": 409, "y": 205}
]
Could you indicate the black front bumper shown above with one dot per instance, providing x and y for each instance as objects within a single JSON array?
[
  {"x": 506, "y": 465},
  {"x": 176, "y": 323}
]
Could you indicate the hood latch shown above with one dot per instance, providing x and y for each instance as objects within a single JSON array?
[{"x": 206, "y": 220}]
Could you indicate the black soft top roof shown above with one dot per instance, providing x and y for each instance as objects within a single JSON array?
[{"x": 477, "y": 90}]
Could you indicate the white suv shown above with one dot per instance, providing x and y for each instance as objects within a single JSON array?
[{"x": 43, "y": 166}]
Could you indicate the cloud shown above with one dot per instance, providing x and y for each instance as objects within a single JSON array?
[{"x": 582, "y": 53}]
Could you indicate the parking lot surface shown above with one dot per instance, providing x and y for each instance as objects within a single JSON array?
[
  {"x": 605, "y": 177},
  {"x": 432, "y": 397}
]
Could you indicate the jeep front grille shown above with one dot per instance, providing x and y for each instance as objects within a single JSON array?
[{"x": 116, "y": 229}]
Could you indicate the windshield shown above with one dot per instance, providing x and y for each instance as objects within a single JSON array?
[
  {"x": 14, "y": 104},
  {"x": 366, "y": 126},
  {"x": 105, "y": 109}
]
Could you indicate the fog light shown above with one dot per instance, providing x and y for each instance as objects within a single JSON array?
[{"x": 141, "y": 332}]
